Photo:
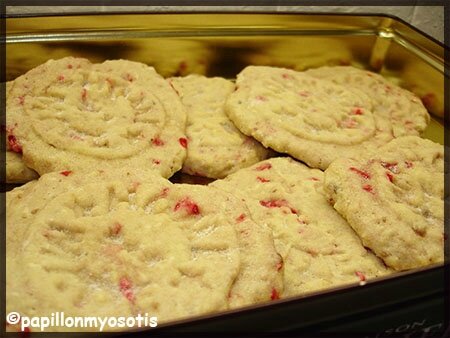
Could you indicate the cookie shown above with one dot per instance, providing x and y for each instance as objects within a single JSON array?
[
  {"x": 216, "y": 147},
  {"x": 318, "y": 247},
  {"x": 122, "y": 242},
  {"x": 316, "y": 120},
  {"x": 70, "y": 114},
  {"x": 394, "y": 200}
]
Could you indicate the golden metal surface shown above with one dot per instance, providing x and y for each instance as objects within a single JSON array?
[{"x": 223, "y": 44}]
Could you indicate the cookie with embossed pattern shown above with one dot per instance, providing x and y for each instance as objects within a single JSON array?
[
  {"x": 70, "y": 114},
  {"x": 319, "y": 249},
  {"x": 122, "y": 242},
  {"x": 316, "y": 119},
  {"x": 394, "y": 199}
]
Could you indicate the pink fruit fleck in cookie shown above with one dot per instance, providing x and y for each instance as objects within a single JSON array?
[
  {"x": 392, "y": 166},
  {"x": 361, "y": 276},
  {"x": 390, "y": 176},
  {"x": 357, "y": 111},
  {"x": 190, "y": 206},
  {"x": 240, "y": 218},
  {"x": 126, "y": 289},
  {"x": 66, "y": 172},
  {"x": 277, "y": 204},
  {"x": 262, "y": 179},
  {"x": 264, "y": 166},
  {"x": 183, "y": 141},
  {"x": 14, "y": 145},
  {"x": 368, "y": 188},
  {"x": 157, "y": 141},
  {"x": 274, "y": 295},
  {"x": 361, "y": 173}
]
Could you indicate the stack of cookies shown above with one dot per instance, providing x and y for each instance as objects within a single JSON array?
[{"x": 318, "y": 179}]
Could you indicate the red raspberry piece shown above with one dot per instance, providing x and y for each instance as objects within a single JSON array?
[
  {"x": 368, "y": 188},
  {"x": 125, "y": 287},
  {"x": 190, "y": 206},
  {"x": 361, "y": 276},
  {"x": 157, "y": 141},
  {"x": 262, "y": 179},
  {"x": 183, "y": 141},
  {"x": 264, "y": 166},
  {"x": 14, "y": 145},
  {"x": 274, "y": 295},
  {"x": 277, "y": 204},
  {"x": 390, "y": 176},
  {"x": 66, "y": 172},
  {"x": 357, "y": 111},
  {"x": 391, "y": 166},
  {"x": 240, "y": 218},
  {"x": 361, "y": 173}
]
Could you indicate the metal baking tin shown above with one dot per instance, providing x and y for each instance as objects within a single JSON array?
[{"x": 221, "y": 44}]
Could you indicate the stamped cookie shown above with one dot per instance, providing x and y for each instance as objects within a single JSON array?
[
  {"x": 120, "y": 243},
  {"x": 216, "y": 147},
  {"x": 394, "y": 200},
  {"x": 316, "y": 120},
  {"x": 318, "y": 247},
  {"x": 70, "y": 114}
]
